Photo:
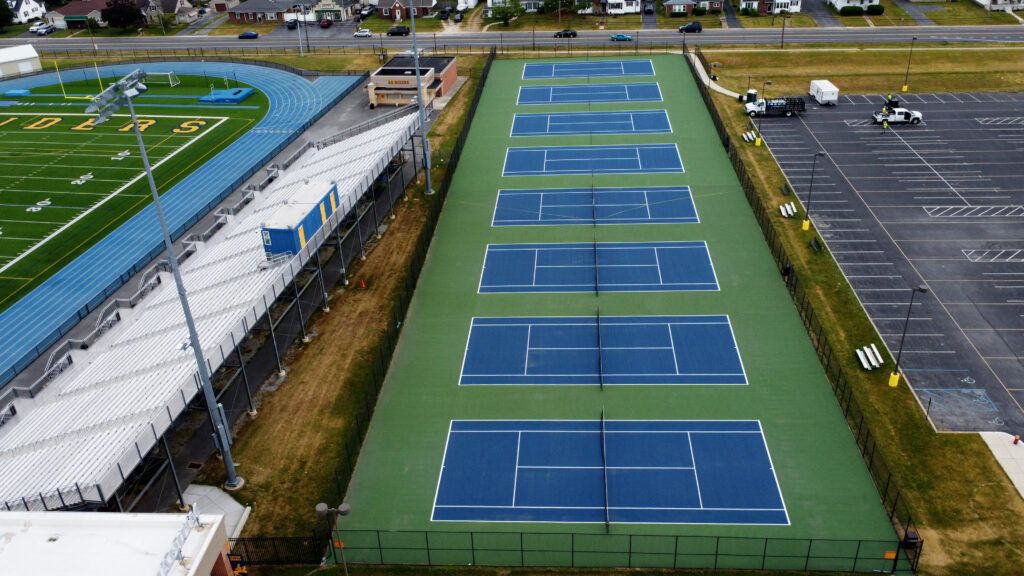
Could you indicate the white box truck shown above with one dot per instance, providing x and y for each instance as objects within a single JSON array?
[{"x": 824, "y": 92}]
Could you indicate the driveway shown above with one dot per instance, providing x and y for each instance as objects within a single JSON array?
[
  {"x": 650, "y": 21},
  {"x": 917, "y": 12},
  {"x": 821, "y": 12},
  {"x": 731, "y": 20}
]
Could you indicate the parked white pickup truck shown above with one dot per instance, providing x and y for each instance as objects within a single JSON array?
[{"x": 897, "y": 116}]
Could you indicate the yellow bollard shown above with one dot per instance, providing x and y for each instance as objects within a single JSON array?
[
  {"x": 905, "y": 87},
  {"x": 894, "y": 379},
  {"x": 757, "y": 141},
  {"x": 806, "y": 224}
]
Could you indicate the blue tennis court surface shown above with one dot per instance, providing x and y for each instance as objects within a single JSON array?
[
  {"x": 561, "y": 206},
  {"x": 579, "y": 93},
  {"x": 564, "y": 123},
  {"x": 623, "y": 159},
  {"x": 604, "y": 266},
  {"x": 629, "y": 350},
  {"x": 634, "y": 471},
  {"x": 588, "y": 69}
]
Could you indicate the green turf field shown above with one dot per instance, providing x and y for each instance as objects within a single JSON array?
[
  {"x": 827, "y": 490},
  {"x": 66, "y": 182}
]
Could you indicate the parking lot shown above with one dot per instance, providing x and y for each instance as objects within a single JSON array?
[{"x": 940, "y": 204}]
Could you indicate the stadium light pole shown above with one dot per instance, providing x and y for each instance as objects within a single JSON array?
[
  {"x": 810, "y": 190},
  {"x": 325, "y": 511},
  {"x": 910, "y": 57},
  {"x": 894, "y": 378},
  {"x": 105, "y": 105},
  {"x": 419, "y": 99}
]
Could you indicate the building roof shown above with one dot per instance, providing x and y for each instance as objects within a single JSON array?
[
  {"x": 102, "y": 543},
  {"x": 416, "y": 3},
  {"x": 81, "y": 7},
  {"x": 677, "y": 2},
  {"x": 269, "y": 6},
  {"x": 17, "y": 53},
  {"x": 438, "y": 63}
]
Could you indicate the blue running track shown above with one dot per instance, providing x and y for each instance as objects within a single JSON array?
[
  {"x": 579, "y": 93},
  {"x": 601, "y": 266},
  {"x": 564, "y": 351},
  {"x": 588, "y": 69},
  {"x": 40, "y": 318},
  {"x": 622, "y": 159},
  {"x": 561, "y": 206},
  {"x": 634, "y": 471},
  {"x": 566, "y": 123}
]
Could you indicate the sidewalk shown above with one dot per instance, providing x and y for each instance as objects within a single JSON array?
[
  {"x": 707, "y": 81},
  {"x": 1009, "y": 455}
]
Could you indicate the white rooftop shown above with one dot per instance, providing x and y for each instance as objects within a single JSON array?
[
  {"x": 109, "y": 544},
  {"x": 73, "y": 441}
]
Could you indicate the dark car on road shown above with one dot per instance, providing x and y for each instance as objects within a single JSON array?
[
  {"x": 326, "y": 23},
  {"x": 567, "y": 33},
  {"x": 250, "y": 35},
  {"x": 398, "y": 31},
  {"x": 292, "y": 24},
  {"x": 691, "y": 27}
]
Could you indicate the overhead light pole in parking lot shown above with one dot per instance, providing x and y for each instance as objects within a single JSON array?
[
  {"x": 105, "y": 105},
  {"x": 420, "y": 98},
  {"x": 810, "y": 190},
  {"x": 894, "y": 378},
  {"x": 906, "y": 78}
]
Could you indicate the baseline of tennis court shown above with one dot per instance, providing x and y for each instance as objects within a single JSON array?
[
  {"x": 600, "y": 350},
  {"x": 562, "y": 206},
  {"x": 622, "y": 159},
  {"x": 600, "y": 266},
  {"x": 588, "y": 69},
  {"x": 608, "y": 471},
  {"x": 568, "y": 123},
  {"x": 582, "y": 93}
]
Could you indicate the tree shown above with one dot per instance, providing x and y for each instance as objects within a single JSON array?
[
  {"x": 6, "y": 15},
  {"x": 122, "y": 14},
  {"x": 506, "y": 12}
]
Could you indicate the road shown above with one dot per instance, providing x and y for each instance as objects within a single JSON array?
[{"x": 957, "y": 34}]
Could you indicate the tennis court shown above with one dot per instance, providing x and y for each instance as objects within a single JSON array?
[
  {"x": 624, "y": 159},
  {"x": 599, "y": 350},
  {"x": 598, "y": 266},
  {"x": 568, "y": 123},
  {"x": 582, "y": 93},
  {"x": 562, "y": 206},
  {"x": 588, "y": 69},
  {"x": 608, "y": 471}
]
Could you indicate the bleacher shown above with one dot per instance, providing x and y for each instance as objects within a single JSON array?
[{"x": 79, "y": 438}]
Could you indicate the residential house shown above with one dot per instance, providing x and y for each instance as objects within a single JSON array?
[
  {"x": 615, "y": 7},
  {"x": 76, "y": 13},
  {"x": 184, "y": 12},
  {"x": 336, "y": 10},
  {"x": 838, "y": 5},
  {"x": 224, "y": 5},
  {"x": 26, "y": 10},
  {"x": 255, "y": 11},
  {"x": 528, "y": 5},
  {"x": 685, "y": 7},
  {"x": 772, "y": 6},
  {"x": 398, "y": 10}
]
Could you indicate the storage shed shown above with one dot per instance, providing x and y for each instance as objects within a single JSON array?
[{"x": 19, "y": 60}]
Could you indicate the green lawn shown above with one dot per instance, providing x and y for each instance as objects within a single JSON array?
[
  {"x": 893, "y": 16},
  {"x": 59, "y": 169},
  {"x": 14, "y": 30},
  {"x": 966, "y": 12},
  {"x": 827, "y": 490},
  {"x": 378, "y": 24},
  {"x": 794, "y": 21}
]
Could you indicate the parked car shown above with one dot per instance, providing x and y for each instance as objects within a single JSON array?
[
  {"x": 567, "y": 33},
  {"x": 398, "y": 31},
  {"x": 691, "y": 27},
  {"x": 366, "y": 12},
  {"x": 443, "y": 15},
  {"x": 202, "y": 11},
  {"x": 36, "y": 26},
  {"x": 648, "y": 8},
  {"x": 621, "y": 38},
  {"x": 457, "y": 18},
  {"x": 250, "y": 35},
  {"x": 363, "y": 33},
  {"x": 326, "y": 23},
  {"x": 897, "y": 116},
  {"x": 46, "y": 29},
  {"x": 292, "y": 24}
]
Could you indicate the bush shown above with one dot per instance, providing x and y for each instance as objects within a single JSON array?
[
  {"x": 699, "y": 11},
  {"x": 752, "y": 12},
  {"x": 851, "y": 11},
  {"x": 875, "y": 9},
  {"x": 715, "y": 11}
]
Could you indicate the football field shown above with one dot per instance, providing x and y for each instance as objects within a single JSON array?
[{"x": 66, "y": 181}]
